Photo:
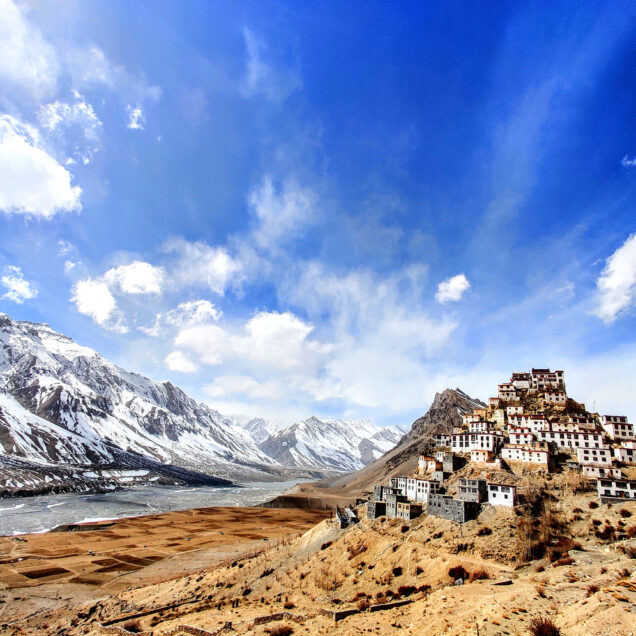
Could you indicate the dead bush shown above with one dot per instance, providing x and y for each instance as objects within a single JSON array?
[
  {"x": 592, "y": 589},
  {"x": 564, "y": 561},
  {"x": 484, "y": 532},
  {"x": 133, "y": 626},
  {"x": 592, "y": 505},
  {"x": 623, "y": 512},
  {"x": 397, "y": 571},
  {"x": 458, "y": 572},
  {"x": 540, "y": 591},
  {"x": 543, "y": 627},
  {"x": 631, "y": 532},
  {"x": 281, "y": 630},
  {"x": 325, "y": 545},
  {"x": 288, "y": 605},
  {"x": 406, "y": 590},
  {"x": 404, "y": 529},
  {"x": 479, "y": 575}
]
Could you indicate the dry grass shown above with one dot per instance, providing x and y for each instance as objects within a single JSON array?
[{"x": 543, "y": 627}]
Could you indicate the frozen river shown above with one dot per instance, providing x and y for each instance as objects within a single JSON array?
[{"x": 38, "y": 514}]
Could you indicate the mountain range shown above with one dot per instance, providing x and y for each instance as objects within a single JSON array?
[{"x": 72, "y": 420}]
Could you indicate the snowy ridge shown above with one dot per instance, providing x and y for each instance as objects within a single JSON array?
[
  {"x": 337, "y": 445},
  {"x": 61, "y": 402}
]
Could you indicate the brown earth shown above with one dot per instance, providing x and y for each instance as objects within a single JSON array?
[
  {"x": 583, "y": 580},
  {"x": 47, "y": 572}
]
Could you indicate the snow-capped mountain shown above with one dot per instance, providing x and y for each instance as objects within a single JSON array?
[
  {"x": 337, "y": 445},
  {"x": 258, "y": 428},
  {"x": 62, "y": 403}
]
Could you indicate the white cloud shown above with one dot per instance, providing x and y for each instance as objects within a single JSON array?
[
  {"x": 136, "y": 117},
  {"x": 261, "y": 78},
  {"x": 18, "y": 289},
  {"x": 452, "y": 289},
  {"x": 282, "y": 215},
  {"x": 268, "y": 340},
  {"x": 228, "y": 386},
  {"x": 93, "y": 298},
  {"x": 136, "y": 278},
  {"x": 192, "y": 312},
  {"x": 627, "y": 162},
  {"x": 32, "y": 182},
  {"x": 178, "y": 361},
  {"x": 199, "y": 264},
  {"x": 27, "y": 61},
  {"x": 617, "y": 284}
]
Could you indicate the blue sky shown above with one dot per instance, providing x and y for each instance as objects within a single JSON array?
[{"x": 329, "y": 208}]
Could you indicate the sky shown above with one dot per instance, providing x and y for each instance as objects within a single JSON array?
[{"x": 326, "y": 208}]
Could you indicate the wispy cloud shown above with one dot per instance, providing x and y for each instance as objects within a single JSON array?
[{"x": 261, "y": 78}]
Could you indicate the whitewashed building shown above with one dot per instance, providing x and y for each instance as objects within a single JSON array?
[
  {"x": 571, "y": 440},
  {"x": 399, "y": 483},
  {"x": 420, "y": 489},
  {"x": 514, "y": 410},
  {"x": 426, "y": 464},
  {"x": 466, "y": 442},
  {"x": 441, "y": 439},
  {"x": 507, "y": 393},
  {"x": 597, "y": 456},
  {"x": 480, "y": 426},
  {"x": 596, "y": 472},
  {"x": 482, "y": 456},
  {"x": 558, "y": 398},
  {"x": 501, "y": 495},
  {"x": 616, "y": 488},
  {"x": 520, "y": 435},
  {"x": 520, "y": 380},
  {"x": 625, "y": 455},
  {"x": 542, "y": 379},
  {"x": 617, "y": 427},
  {"x": 537, "y": 456}
]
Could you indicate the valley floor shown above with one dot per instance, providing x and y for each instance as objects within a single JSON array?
[{"x": 236, "y": 583}]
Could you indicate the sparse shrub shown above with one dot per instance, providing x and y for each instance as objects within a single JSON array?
[
  {"x": 406, "y": 590},
  {"x": 395, "y": 547},
  {"x": 404, "y": 529},
  {"x": 596, "y": 522},
  {"x": 625, "y": 513},
  {"x": 397, "y": 571},
  {"x": 438, "y": 535},
  {"x": 577, "y": 510},
  {"x": 281, "y": 630},
  {"x": 424, "y": 588},
  {"x": 246, "y": 592},
  {"x": 379, "y": 595},
  {"x": 592, "y": 505},
  {"x": 543, "y": 627},
  {"x": 363, "y": 604},
  {"x": 631, "y": 532},
  {"x": 539, "y": 568},
  {"x": 624, "y": 573},
  {"x": 133, "y": 626},
  {"x": 267, "y": 572},
  {"x": 418, "y": 570},
  {"x": 592, "y": 589},
  {"x": 479, "y": 575},
  {"x": 484, "y": 532},
  {"x": 564, "y": 561},
  {"x": 603, "y": 570},
  {"x": 458, "y": 572},
  {"x": 540, "y": 591},
  {"x": 325, "y": 545},
  {"x": 288, "y": 605},
  {"x": 608, "y": 533}
]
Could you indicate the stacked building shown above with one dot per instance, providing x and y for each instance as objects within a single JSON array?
[{"x": 530, "y": 425}]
